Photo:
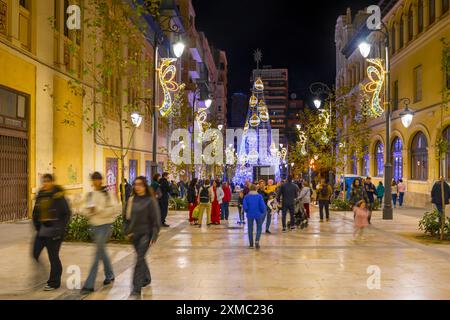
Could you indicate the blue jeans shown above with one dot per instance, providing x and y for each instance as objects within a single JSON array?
[
  {"x": 101, "y": 236},
  {"x": 400, "y": 198},
  {"x": 259, "y": 223},
  {"x": 225, "y": 211},
  {"x": 394, "y": 199}
]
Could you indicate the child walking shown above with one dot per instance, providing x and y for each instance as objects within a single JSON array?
[
  {"x": 361, "y": 220},
  {"x": 240, "y": 208}
]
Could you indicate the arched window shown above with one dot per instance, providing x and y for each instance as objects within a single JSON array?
[
  {"x": 420, "y": 15},
  {"x": 432, "y": 11},
  {"x": 445, "y": 6},
  {"x": 379, "y": 159},
  {"x": 397, "y": 159},
  {"x": 365, "y": 166},
  {"x": 410, "y": 25},
  {"x": 402, "y": 34},
  {"x": 419, "y": 157},
  {"x": 446, "y": 135}
]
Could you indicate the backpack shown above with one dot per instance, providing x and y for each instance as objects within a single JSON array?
[
  {"x": 204, "y": 195},
  {"x": 324, "y": 190}
]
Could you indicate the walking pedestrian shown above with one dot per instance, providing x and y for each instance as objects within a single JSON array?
[
  {"x": 216, "y": 203},
  {"x": 324, "y": 193},
  {"x": 101, "y": 210},
  {"x": 357, "y": 193},
  {"x": 241, "y": 208},
  {"x": 205, "y": 198},
  {"x": 164, "y": 200},
  {"x": 143, "y": 226},
  {"x": 128, "y": 190},
  {"x": 401, "y": 192},
  {"x": 192, "y": 196},
  {"x": 394, "y": 192},
  {"x": 289, "y": 191},
  {"x": 305, "y": 198},
  {"x": 436, "y": 197},
  {"x": 255, "y": 208},
  {"x": 155, "y": 186},
  {"x": 369, "y": 187},
  {"x": 268, "y": 216},
  {"x": 380, "y": 192},
  {"x": 225, "y": 207},
  {"x": 51, "y": 214},
  {"x": 361, "y": 219}
]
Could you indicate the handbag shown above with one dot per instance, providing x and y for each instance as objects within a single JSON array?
[{"x": 196, "y": 213}]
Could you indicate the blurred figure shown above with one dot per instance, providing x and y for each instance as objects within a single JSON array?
[
  {"x": 155, "y": 186},
  {"x": 288, "y": 192},
  {"x": 205, "y": 198},
  {"x": 271, "y": 188},
  {"x": 401, "y": 192},
  {"x": 143, "y": 224},
  {"x": 241, "y": 208},
  {"x": 101, "y": 209},
  {"x": 225, "y": 206},
  {"x": 324, "y": 193},
  {"x": 305, "y": 198},
  {"x": 370, "y": 189},
  {"x": 265, "y": 195},
  {"x": 51, "y": 214},
  {"x": 394, "y": 193},
  {"x": 380, "y": 192},
  {"x": 361, "y": 216},
  {"x": 192, "y": 196},
  {"x": 164, "y": 200},
  {"x": 174, "y": 191},
  {"x": 436, "y": 197},
  {"x": 216, "y": 203},
  {"x": 128, "y": 190},
  {"x": 182, "y": 186},
  {"x": 256, "y": 210}
]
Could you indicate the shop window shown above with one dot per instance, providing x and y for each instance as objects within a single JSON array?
[
  {"x": 379, "y": 159},
  {"x": 397, "y": 159}
]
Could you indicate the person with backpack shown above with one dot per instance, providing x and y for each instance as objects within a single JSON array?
[
  {"x": 142, "y": 226},
  {"x": 205, "y": 198},
  {"x": 51, "y": 214},
  {"x": 101, "y": 209},
  {"x": 324, "y": 193},
  {"x": 192, "y": 196}
]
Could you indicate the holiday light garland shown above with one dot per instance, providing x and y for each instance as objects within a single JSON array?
[
  {"x": 376, "y": 74},
  {"x": 167, "y": 73}
]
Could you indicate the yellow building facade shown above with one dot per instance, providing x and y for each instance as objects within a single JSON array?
[
  {"x": 416, "y": 29},
  {"x": 34, "y": 85}
]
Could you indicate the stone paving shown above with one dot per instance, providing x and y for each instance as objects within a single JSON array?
[{"x": 321, "y": 262}]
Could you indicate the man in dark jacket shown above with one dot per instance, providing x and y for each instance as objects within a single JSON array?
[
  {"x": 288, "y": 192},
  {"x": 436, "y": 196},
  {"x": 164, "y": 186},
  {"x": 51, "y": 215},
  {"x": 370, "y": 189}
]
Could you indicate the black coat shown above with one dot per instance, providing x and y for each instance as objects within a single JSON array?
[
  {"x": 165, "y": 188},
  {"x": 436, "y": 194},
  {"x": 192, "y": 194},
  {"x": 51, "y": 213}
]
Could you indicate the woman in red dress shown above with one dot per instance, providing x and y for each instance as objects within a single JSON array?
[{"x": 215, "y": 207}]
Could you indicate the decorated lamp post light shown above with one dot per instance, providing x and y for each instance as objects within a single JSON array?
[
  {"x": 406, "y": 115},
  {"x": 379, "y": 76}
]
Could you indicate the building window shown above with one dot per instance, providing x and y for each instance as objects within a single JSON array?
[
  {"x": 402, "y": 32},
  {"x": 379, "y": 159},
  {"x": 396, "y": 95},
  {"x": 25, "y": 4},
  {"x": 397, "y": 159},
  {"x": 420, "y": 15},
  {"x": 13, "y": 110},
  {"x": 410, "y": 25},
  {"x": 445, "y": 6},
  {"x": 419, "y": 157},
  {"x": 418, "y": 83},
  {"x": 432, "y": 11},
  {"x": 132, "y": 170},
  {"x": 393, "y": 39},
  {"x": 365, "y": 164}
]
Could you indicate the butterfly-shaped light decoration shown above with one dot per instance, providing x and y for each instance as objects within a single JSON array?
[
  {"x": 376, "y": 74},
  {"x": 167, "y": 73}
]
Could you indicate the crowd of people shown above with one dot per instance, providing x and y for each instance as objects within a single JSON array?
[{"x": 145, "y": 211}]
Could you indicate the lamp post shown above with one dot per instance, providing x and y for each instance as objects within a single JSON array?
[
  {"x": 365, "y": 48},
  {"x": 318, "y": 89}
]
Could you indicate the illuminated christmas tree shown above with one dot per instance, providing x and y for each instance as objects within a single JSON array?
[{"x": 259, "y": 146}]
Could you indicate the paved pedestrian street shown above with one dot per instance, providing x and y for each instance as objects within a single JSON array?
[{"x": 322, "y": 262}]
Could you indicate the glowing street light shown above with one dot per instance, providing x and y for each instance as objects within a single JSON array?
[
  {"x": 178, "y": 49},
  {"x": 317, "y": 103},
  {"x": 136, "y": 119},
  {"x": 406, "y": 115},
  {"x": 208, "y": 103},
  {"x": 364, "y": 48}
]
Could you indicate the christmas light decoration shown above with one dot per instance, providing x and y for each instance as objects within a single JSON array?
[
  {"x": 376, "y": 74},
  {"x": 253, "y": 101},
  {"x": 259, "y": 85},
  {"x": 167, "y": 73}
]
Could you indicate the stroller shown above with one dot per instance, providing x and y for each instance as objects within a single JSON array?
[{"x": 301, "y": 220}]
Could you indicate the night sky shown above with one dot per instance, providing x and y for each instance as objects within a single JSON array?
[{"x": 300, "y": 38}]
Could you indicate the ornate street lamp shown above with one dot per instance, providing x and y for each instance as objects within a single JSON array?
[
  {"x": 406, "y": 115},
  {"x": 136, "y": 119}
]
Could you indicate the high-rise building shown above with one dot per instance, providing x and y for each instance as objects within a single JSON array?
[
  {"x": 238, "y": 112},
  {"x": 276, "y": 86},
  {"x": 295, "y": 110}
]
